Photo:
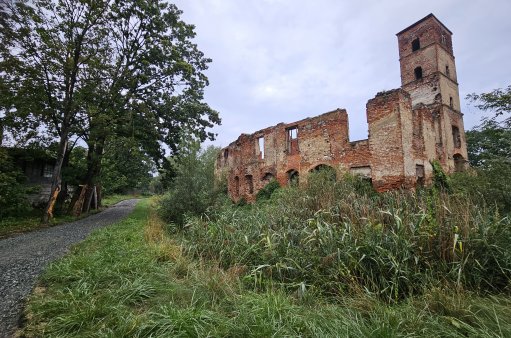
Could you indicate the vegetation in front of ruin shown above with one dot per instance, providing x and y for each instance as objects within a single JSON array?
[
  {"x": 133, "y": 279},
  {"x": 194, "y": 190}
]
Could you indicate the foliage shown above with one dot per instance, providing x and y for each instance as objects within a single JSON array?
[
  {"x": 125, "y": 168},
  {"x": 194, "y": 189},
  {"x": 131, "y": 280},
  {"x": 75, "y": 170},
  {"x": 334, "y": 239},
  {"x": 440, "y": 178},
  {"x": 266, "y": 192},
  {"x": 487, "y": 144},
  {"x": 13, "y": 191},
  {"x": 498, "y": 101},
  {"x": 91, "y": 70},
  {"x": 489, "y": 152}
]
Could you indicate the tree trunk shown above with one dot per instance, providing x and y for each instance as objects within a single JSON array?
[
  {"x": 78, "y": 206},
  {"x": 94, "y": 156},
  {"x": 61, "y": 198},
  {"x": 56, "y": 178}
]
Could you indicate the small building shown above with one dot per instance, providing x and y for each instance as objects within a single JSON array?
[
  {"x": 37, "y": 165},
  {"x": 409, "y": 127}
]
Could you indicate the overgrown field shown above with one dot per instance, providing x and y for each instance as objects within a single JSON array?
[
  {"x": 338, "y": 238},
  {"x": 133, "y": 279}
]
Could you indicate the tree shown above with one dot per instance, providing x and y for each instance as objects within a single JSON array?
[
  {"x": 194, "y": 189},
  {"x": 498, "y": 102},
  {"x": 125, "y": 167},
  {"x": 489, "y": 152},
  {"x": 46, "y": 50},
  {"x": 488, "y": 143},
  {"x": 93, "y": 69}
]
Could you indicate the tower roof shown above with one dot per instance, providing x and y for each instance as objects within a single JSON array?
[{"x": 422, "y": 20}]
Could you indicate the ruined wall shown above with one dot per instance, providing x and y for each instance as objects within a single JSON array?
[
  {"x": 286, "y": 151},
  {"x": 408, "y": 128}
]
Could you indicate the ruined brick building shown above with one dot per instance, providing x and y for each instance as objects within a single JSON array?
[{"x": 408, "y": 128}]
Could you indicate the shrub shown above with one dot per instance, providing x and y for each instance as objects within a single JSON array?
[
  {"x": 13, "y": 191},
  {"x": 194, "y": 188},
  {"x": 266, "y": 192}
]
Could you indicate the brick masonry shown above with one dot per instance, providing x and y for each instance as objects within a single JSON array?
[{"x": 408, "y": 128}]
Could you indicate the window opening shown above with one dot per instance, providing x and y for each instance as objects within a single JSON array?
[
  {"x": 237, "y": 185},
  {"x": 48, "y": 170},
  {"x": 419, "y": 173},
  {"x": 292, "y": 140},
  {"x": 325, "y": 170},
  {"x": 418, "y": 73},
  {"x": 444, "y": 41},
  {"x": 250, "y": 184},
  {"x": 447, "y": 72},
  {"x": 293, "y": 177},
  {"x": 451, "y": 104},
  {"x": 226, "y": 154},
  {"x": 416, "y": 45},
  {"x": 459, "y": 163},
  {"x": 260, "y": 144},
  {"x": 268, "y": 177},
  {"x": 456, "y": 137}
]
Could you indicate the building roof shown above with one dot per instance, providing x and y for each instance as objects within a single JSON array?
[{"x": 422, "y": 20}]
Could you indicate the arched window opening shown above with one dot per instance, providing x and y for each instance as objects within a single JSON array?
[
  {"x": 267, "y": 177},
  {"x": 326, "y": 170},
  {"x": 447, "y": 71},
  {"x": 420, "y": 175},
  {"x": 293, "y": 177},
  {"x": 418, "y": 73},
  {"x": 451, "y": 102},
  {"x": 416, "y": 45}
]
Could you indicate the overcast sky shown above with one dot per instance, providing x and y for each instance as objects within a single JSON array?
[{"x": 283, "y": 60}]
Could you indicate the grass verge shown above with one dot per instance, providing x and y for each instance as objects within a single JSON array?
[
  {"x": 32, "y": 220},
  {"x": 131, "y": 279}
]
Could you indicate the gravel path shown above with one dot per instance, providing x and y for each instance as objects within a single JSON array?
[{"x": 24, "y": 257}]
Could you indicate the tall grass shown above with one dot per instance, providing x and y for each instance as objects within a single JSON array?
[
  {"x": 338, "y": 237},
  {"x": 132, "y": 280}
]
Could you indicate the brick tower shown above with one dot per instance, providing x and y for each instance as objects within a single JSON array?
[{"x": 428, "y": 74}]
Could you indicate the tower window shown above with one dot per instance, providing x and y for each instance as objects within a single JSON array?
[
  {"x": 418, "y": 73},
  {"x": 416, "y": 45},
  {"x": 447, "y": 72},
  {"x": 451, "y": 103},
  {"x": 456, "y": 137}
]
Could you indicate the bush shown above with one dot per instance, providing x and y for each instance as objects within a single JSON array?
[
  {"x": 334, "y": 237},
  {"x": 266, "y": 192},
  {"x": 194, "y": 189},
  {"x": 13, "y": 191},
  {"x": 491, "y": 184}
]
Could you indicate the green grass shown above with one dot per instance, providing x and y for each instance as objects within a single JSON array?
[
  {"x": 32, "y": 219},
  {"x": 29, "y": 222},
  {"x": 132, "y": 280}
]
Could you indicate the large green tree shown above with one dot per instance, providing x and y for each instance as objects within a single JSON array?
[{"x": 92, "y": 69}]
